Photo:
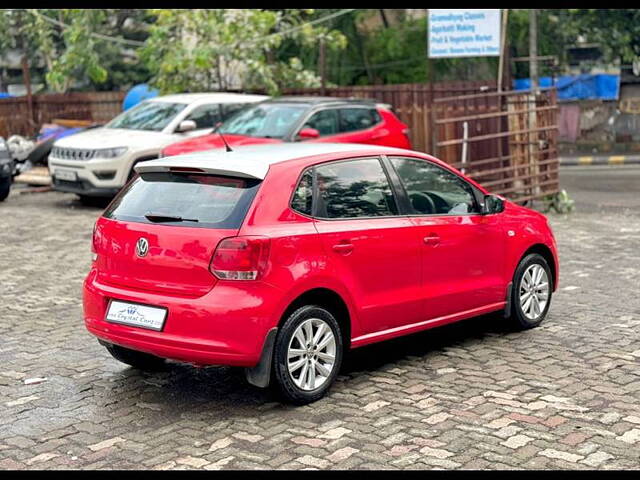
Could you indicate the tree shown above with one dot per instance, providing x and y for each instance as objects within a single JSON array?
[
  {"x": 553, "y": 36},
  {"x": 65, "y": 42},
  {"x": 388, "y": 52},
  {"x": 616, "y": 30},
  {"x": 80, "y": 54},
  {"x": 198, "y": 50},
  {"x": 21, "y": 34}
]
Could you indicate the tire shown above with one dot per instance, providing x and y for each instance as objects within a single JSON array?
[
  {"x": 5, "y": 187},
  {"x": 301, "y": 391},
  {"x": 529, "y": 301},
  {"x": 139, "y": 360}
]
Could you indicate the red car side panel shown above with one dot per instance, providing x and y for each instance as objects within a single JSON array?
[
  {"x": 389, "y": 133},
  {"x": 464, "y": 269},
  {"x": 381, "y": 271},
  {"x": 529, "y": 228},
  {"x": 212, "y": 141},
  {"x": 298, "y": 260}
]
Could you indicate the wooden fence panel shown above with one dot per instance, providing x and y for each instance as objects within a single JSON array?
[
  {"x": 515, "y": 156},
  {"x": 92, "y": 106},
  {"x": 410, "y": 101}
]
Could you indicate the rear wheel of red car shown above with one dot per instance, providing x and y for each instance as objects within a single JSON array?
[
  {"x": 139, "y": 360},
  {"x": 531, "y": 292},
  {"x": 308, "y": 354}
]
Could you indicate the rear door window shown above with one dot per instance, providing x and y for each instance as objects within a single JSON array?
[
  {"x": 205, "y": 116},
  {"x": 325, "y": 121},
  {"x": 185, "y": 199},
  {"x": 352, "y": 119},
  {"x": 354, "y": 188}
]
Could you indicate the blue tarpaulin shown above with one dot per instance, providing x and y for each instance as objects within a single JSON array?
[{"x": 600, "y": 86}]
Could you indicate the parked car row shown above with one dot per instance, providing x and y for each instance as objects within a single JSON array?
[
  {"x": 277, "y": 234},
  {"x": 100, "y": 162}
]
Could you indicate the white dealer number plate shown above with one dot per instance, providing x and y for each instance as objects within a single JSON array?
[
  {"x": 136, "y": 315},
  {"x": 68, "y": 175}
]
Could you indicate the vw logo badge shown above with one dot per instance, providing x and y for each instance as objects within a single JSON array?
[{"x": 142, "y": 247}]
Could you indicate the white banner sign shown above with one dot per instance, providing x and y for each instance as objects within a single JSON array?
[{"x": 464, "y": 33}]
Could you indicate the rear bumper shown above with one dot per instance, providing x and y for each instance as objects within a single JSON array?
[{"x": 226, "y": 326}]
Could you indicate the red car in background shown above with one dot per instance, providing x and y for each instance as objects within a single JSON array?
[{"x": 312, "y": 119}]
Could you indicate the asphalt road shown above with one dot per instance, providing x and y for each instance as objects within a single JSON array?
[{"x": 614, "y": 188}]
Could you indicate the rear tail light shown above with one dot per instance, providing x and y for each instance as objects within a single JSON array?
[
  {"x": 241, "y": 258},
  {"x": 94, "y": 252}
]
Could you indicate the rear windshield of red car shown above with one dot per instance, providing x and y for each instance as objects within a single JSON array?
[{"x": 184, "y": 199}]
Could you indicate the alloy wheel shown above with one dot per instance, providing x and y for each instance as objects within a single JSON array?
[
  {"x": 311, "y": 354},
  {"x": 534, "y": 291}
]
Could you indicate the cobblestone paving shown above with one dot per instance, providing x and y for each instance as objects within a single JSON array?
[{"x": 470, "y": 395}]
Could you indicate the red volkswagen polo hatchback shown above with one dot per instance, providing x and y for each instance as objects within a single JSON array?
[{"x": 279, "y": 258}]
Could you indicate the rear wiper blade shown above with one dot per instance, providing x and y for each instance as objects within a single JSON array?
[{"x": 159, "y": 217}]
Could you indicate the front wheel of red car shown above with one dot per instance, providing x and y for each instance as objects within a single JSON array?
[
  {"x": 307, "y": 355},
  {"x": 139, "y": 360},
  {"x": 531, "y": 292}
]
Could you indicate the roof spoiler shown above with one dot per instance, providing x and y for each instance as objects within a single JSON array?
[{"x": 185, "y": 164}]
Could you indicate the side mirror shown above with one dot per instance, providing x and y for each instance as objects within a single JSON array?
[
  {"x": 308, "y": 133},
  {"x": 186, "y": 126},
  {"x": 492, "y": 204}
]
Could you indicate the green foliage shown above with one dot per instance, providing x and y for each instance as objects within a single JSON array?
[
  {"x": 272, "y": 49},
  {"x": 74, "y": 53},
  {"x": 199, "y": 50},
  {"x": 616, "y": 30},
  {"x": 80, "y": 57},
  {"x": 396, "y": 53},
  {"x": 554, "y": 35}
]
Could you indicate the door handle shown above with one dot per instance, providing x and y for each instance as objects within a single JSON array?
[
  {"x": 432, "y": 239},
  {"x": 343, "y": 248}
]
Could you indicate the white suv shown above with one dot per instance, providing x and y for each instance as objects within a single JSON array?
[{"x": 98, "y": 162}]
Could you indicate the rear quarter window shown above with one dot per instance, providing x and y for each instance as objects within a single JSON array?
[
  {"x": 353, "y": 119},
  {"x": 303, "y": 195},
  {"x": 206, "y": 201}
]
